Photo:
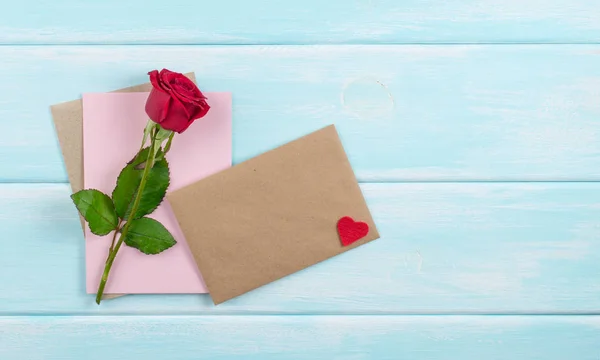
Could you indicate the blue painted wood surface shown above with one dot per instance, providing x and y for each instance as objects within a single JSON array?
[
  {"x": 473, "y": 127},
  {"x": 453, "y": 248},
  {"x": 405, "y": 113},
  {"x": 304, "y": 337},
  {"x": 299, "y": 22}
]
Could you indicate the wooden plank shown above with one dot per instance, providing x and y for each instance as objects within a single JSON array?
[
  {"x": 300, "y": 337},
  {"x": 499, "y": 248},
  {"x": 299, "y": 22},
  {"x": 405, "y": 113}
]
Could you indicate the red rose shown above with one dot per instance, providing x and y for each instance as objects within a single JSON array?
[{"x": 175, "y": 101}]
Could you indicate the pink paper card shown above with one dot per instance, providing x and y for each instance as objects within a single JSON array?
[{"x": 113, "y": 125}]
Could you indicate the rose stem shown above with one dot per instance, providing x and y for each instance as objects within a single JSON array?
[
  {"x": 112, "y": 244},
  {"x": 136, "y": 203}
]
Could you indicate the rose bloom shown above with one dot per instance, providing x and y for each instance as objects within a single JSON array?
[{"x": 175, "y": 102}]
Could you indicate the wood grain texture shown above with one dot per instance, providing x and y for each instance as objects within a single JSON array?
[
  {"x": 301, "y": 337},
  {"x": 405, "y": 113},
  {"x": 496, "y": 248},
  {"x": 449, "y": 140},
  {"x": 298, "y": 22}
]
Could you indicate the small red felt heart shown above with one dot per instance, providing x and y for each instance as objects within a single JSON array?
[{"x": 350, "y": 230}]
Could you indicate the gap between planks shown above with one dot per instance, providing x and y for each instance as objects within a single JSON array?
[
  {"x": 299, "y": 43},
  {"x": 315, "y": 313}
]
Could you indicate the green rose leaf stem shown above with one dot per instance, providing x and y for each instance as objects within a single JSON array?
[
  {"x": 141, "y": 187},
  {"x": 137, "y": 200}
]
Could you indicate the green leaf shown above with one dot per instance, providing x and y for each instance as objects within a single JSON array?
[
  {"x": 128, "y": 183},
  {"x": 162, "y": 134},
  {"x": 168, "y": 146},
  {"x": 97, "y": 209},
  {"x": 160, "y": 137},
  {"x": 149, "y": 126},
  {"x": 148, "y": 236}
]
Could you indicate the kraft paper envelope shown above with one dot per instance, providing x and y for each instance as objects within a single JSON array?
[
  {"x": 272, "y": 215},
  {"x": 68, "y": 123}
]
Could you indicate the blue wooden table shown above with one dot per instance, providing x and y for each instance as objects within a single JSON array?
[{"x": 472, "y": 125}]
